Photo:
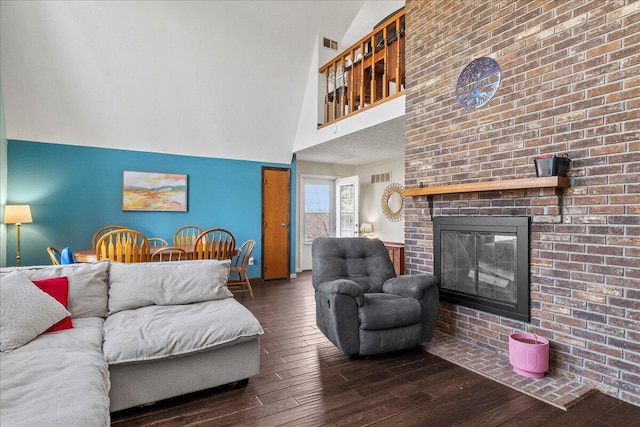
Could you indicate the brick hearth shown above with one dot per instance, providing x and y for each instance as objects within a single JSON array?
[{"x": 553, "y": 389}]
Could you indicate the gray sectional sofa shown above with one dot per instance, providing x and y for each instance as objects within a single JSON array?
[{"x": 141, "y": 333}]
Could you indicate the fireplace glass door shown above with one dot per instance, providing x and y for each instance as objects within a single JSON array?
[
  {"x": 483, "y": 263},
  {"x": 480, "y": 264}
]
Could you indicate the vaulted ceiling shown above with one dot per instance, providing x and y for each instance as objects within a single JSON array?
[{"x": 222, "y": 79}]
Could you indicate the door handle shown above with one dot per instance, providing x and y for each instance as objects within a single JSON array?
[{"x": 285, "y": 224}]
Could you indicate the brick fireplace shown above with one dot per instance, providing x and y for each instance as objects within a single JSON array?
[{"x": 570, "y": 84}]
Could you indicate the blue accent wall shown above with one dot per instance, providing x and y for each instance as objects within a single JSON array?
[{"x": 75, "y": 190}]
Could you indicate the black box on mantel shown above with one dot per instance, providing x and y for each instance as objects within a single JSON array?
[{"x": 552, "y": 165}]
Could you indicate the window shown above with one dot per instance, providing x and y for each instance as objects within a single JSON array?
[{"x": 317, "y": 198}]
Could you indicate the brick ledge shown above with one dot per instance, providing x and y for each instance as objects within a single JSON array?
[{"x": 553, "y": 389}]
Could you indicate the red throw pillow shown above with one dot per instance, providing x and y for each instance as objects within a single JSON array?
[{"x": 57, "y": 287}]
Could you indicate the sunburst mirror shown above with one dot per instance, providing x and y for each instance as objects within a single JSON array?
[{"x": 392, "y": 202}]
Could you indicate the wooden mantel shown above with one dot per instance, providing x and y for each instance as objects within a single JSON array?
[{"x": 473, "y": 187}]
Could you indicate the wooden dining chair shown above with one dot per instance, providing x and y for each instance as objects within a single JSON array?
[
  {"x": 123, "y": 245},
  {"x": 104, "y": 230},
  {"x": 214, "y": 243},
  {"x": 238, "y": 275},
  {"x": 169, "y": 253},
  {"x": 187, "y": 235},
  {"x": 54, "y": 254},
  {"x": 156, "y": 242}
]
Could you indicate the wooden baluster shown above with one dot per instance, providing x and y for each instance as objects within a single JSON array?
[
  {"x": 196, "y": 250},
  {"x": 118, "y": 254},
  {"x": 222, "y": 251},
  {"x": 135, "y": 250},
  {"x": 111, "y": 248},
  {"x": 349, "y": 84},
  {"x": 326, "y": 96},
  {"x": 372, "y": 95},
  {"x": 205, "y": 248},
  {"x": 334, "y": 105},
  {"x": 362, "y": 76},
  {"x": 212, "y": 247},
  {"x": 343, "y": 87},
  {"x": 352, "y": 87},
  {"x": 126, "y": 244},
  {"x": 144, "y": 257},
  {"x": 103, "y": 250},
  {"x": 385, "y": 64},
  {"x": 399, "y": 49}
]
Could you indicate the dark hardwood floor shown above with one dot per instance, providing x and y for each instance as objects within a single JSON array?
[{"x": 305, "y": 381}]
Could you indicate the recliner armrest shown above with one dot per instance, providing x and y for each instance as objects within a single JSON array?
[
  {"x": 343, "y": 287},
  {"x": 410, "y": 285},
  {"x": 424, "y": 288}
]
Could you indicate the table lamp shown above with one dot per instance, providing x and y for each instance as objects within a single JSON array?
[
  {"x": 17, "y": 214},
  {"x": 366, "y": 229}
]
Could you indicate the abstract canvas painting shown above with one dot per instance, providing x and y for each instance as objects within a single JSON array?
[{"x": 150, "y": 191}]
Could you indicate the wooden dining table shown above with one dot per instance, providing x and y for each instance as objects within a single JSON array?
[{"x": 89, "y": 255}]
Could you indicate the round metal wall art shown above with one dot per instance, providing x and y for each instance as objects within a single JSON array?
[{"x": 478, "y": 82}]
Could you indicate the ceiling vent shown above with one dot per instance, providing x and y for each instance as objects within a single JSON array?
[
  {"x": 331, "y": 44},
  {"x": 381, "y": 177}
]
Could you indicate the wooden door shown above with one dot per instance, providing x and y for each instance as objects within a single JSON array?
[{"x": 276, "y": 220}]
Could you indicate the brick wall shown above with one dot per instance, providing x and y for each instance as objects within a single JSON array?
[{"x": 570, "y": 84}]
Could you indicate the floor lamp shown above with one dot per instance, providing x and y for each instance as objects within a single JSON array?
[{"x": 17, "y": 214}]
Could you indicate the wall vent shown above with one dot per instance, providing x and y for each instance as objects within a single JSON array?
[
  {"x": 331, "y": 44},
  {"x": 381, "y": 177}
]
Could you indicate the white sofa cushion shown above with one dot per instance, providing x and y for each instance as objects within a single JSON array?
[
  {"x": 157, "y": 332},
  {"x": 25, "y": 311},
  {"x": 166, "y": 283},
  {"x": 86, "y": 334},
  {"x": 54, "y": 386},
  {"x": 88, "y": 288}
]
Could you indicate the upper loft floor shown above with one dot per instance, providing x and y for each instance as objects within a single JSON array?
[{"x": 366, "y": 74}]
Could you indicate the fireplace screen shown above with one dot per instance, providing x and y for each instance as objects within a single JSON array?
[{"x": 483, "y": 262}]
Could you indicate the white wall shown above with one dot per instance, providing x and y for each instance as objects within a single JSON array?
[
  {"x": 221, "y": 79},
  {"x": 3, "y": 183},
  {"x": 371, "y": 195}
]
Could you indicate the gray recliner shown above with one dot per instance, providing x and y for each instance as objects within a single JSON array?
[{"x": 362, "y": 306}]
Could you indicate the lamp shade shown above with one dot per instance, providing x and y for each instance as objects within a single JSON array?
[
  {"x": 366, "y": 228},
  {"x": 17, "y": 214}
]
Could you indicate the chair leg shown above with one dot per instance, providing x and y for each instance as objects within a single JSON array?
[
  {"x": 247, "y": 283},
  {"x": 242, "y": 282}
]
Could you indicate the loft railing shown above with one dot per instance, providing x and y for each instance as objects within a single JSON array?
[{"x": 368, "y": 73}]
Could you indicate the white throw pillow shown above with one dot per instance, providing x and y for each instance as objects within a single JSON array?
[
  {"x": 88, "y": 287},
  {"x": 25, "y": 311},
  {"x": 166, "y": 283}
]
